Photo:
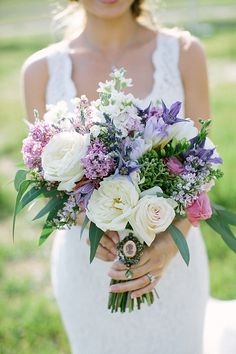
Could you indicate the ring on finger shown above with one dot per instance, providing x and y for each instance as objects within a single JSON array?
[{"x": 151, "y": 277}]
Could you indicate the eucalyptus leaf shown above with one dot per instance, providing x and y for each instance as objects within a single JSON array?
[
  {"x": 223, "y": 229},
  {"x": 95, "y": 235},
  {"x": 85, "y": 223},
  {"x": 22, "y": 189},
  {"x": 54, "y": 203},
  {"x": 228, "y": 216},
  {"x": 32, "y": 194},
  {"x": 46, "y": 232},
  {"x": 19, "y": 178},
  {"x": 180, "y": 242}
]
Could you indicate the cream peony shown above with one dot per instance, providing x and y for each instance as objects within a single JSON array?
[
  {"x": 111, "y": 204},
  {"x": 151, "y": 216},
  {"x": 61, "y": 159}
]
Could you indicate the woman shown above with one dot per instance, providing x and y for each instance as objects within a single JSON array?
[{"x": 163, "y": 64}]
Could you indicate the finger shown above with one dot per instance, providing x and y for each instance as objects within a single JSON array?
[
  {"x": 108, "y": 243},
  {"x": 145, "y": 289},
  {"x": 113, "y": 235},
  {"x": 136, "y": 272},
  {"x": 120, "y": 266},
  {"x": 130, "y": 285},
  {"x": 103, "y": 254}
]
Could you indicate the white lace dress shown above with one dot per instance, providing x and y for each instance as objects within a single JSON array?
[{"x": 174, "y": 324}]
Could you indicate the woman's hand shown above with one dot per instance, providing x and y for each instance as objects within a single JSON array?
[
  {"x": 154, "y": 260},
  {"x": 106, "y": 250}
]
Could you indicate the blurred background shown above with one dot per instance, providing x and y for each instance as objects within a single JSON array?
[{"x": 30, "y": 322}]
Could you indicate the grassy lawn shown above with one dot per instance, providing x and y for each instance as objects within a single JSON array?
[{"x": 30, "y": 322}]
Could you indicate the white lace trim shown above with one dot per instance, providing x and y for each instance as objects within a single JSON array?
[{"x": 167, "y": 84}]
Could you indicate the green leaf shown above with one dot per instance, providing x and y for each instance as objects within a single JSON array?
[
  {"x": 228, "y": 216},
  {"x": 180, "y": 242},
  {"x": 95, "y": 235},
  {"x": 46, "y": 232},
  {"x": 223, "y": 229},
  {"x": 19, "y": 178},
  {"x": 22, "y": 189},
  {"x": 54, "y": 204},
  {"x": 32, "y": 194},
  {"x": 85, "y": 223}
]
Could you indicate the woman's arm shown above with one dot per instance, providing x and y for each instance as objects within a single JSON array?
[
  {"x": 193, "y": 70},
  {"x": 34, "y": 82}
]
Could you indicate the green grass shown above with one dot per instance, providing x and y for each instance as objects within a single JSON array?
[{"x": 29, "y": 317}]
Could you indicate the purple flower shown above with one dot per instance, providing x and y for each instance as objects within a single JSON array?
[
  {"x": 156, "y": 112},
  {"x": 32, "y": 151},
  {"x": 155, "y": 130},
  {"x": 41, "y": 132},
  {"x": 83, "y": 194},
  {"x": 138, "y": 147},
  {"x": 39, "y": 135},
  {"x": 125, "y": 168},
  {"x": 170, "y": 115},
  {"x": 97, "y": 163},
  {"x": 174, "y": 165}
]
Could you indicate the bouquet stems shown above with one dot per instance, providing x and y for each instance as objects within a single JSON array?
[{"x": 119, "y": 302}]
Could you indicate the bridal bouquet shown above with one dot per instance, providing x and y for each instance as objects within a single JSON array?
[{"x": 132, "y": 170}]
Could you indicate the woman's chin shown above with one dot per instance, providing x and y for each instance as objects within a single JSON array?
[{"x": 107, "y": 9}]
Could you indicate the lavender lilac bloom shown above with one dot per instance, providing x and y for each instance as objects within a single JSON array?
[
  {"x": 39, "y": 135},
  {"x": 97, "y": 163}
]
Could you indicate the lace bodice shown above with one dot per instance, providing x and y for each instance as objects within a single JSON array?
[{"x": 167, "y": 79}]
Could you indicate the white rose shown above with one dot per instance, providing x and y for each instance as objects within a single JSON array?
[
  {"x": 151, "y": 216},
  {"x": 111, "y": 204},
  {"x": 61, "y": 159}
]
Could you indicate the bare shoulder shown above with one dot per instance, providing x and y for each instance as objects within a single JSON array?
[
  {"x": 35, "y": 77},
  {"x": 192, "y": 52},
  {"x": 191, "y": 48},
  {"x": 35, "y": 66}
]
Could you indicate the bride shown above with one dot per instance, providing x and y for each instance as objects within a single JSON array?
[{"x": 167, "y": 64}]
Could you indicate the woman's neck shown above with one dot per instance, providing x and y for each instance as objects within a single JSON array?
[{"x": 110, "y": 35}]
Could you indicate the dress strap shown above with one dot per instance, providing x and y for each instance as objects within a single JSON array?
[
  {"x": 166, "y": 62},
  {"x": 60, "y": 86}
]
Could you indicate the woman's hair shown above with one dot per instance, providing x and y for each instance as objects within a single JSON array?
[{"x": 70, "y": 21}]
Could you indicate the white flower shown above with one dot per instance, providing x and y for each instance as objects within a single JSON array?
[
  {"x": 56, "y": 112},
  {"x": 207, "y": 187},
  {"x": 182, "y": 130},
  {"x": 127, "y": 120},
  {"x": 151, "y": 216},
  {"x": 111, "y": 204},
  {"x": 151, "y": 191},
  {"x": 95, "y": 130},
  {"x": 61, "y": 159}
]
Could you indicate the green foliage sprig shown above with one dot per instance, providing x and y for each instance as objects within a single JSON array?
[{"x": 156, "y": 173}]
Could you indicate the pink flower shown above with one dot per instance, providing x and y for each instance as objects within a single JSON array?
[
  {"x": 199, "y": 210},
  {"x": 174, "y": 165}
]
